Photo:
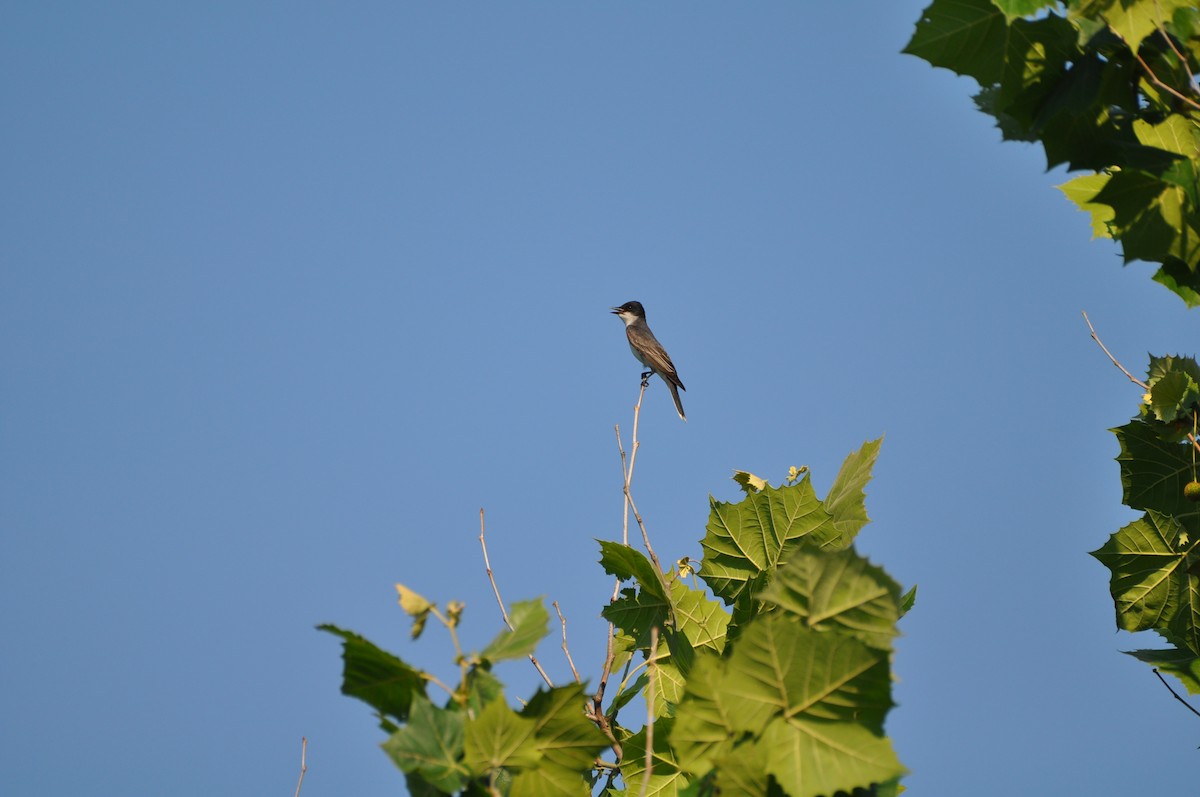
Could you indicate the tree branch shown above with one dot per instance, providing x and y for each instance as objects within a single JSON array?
[{"x": 504, "y": 612}]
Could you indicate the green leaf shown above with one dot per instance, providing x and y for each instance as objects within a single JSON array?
[
  {"x": 967, "y": 37},
  {"x": 377, "y": 678},
  {"x": 1154, "y": 471},
  {"x": 628, "y": 563},
  {"x": 846, "y": 501},
  {"x": 811, "y": 757},
  {"x": 1022, "y": 8},
  {"x": 1132, "y": 20},
  {"x": 701, "y": 619},
  {"x": 1183, "y": 664},
  {"x": 431, "y": 745},
  {"x": 1081, "y": 191},
  {"x": 563, "y": 735},
  {"x": 1174, "y": 396},
  {"x": 908, "y": 600},
  {"x": 530, "y": 621},
  {"x": 1151, "y": 584},
  {"x": 743, "y": 542},
  {"x": 839, "y": 591},
  {"x": 499, "y": 739},
  {"x": 666, "y": 779},
  {"x": 813, "y": 700},
  {"x": 1181, "y": 279}
]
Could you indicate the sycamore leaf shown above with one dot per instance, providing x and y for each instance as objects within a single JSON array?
[
  {"x": 666, "y": 779},
  {"x": 378, "y": 678},
  {"x": 562, "y": 734},
  {"x": 431, "y": 745},
  {"x": 531, "y": 622},
  {"x": 846, "y": 501},
  {"x": 1153, "y": 473},
  {"x": 1021, "y": 8},
  {"x": 811, "y": 758},
  {"x": 499, "y": 739},
  {"x": 839, "y": 591},
  {"x": 628, "y": 563},
  {"x": 1082, "y": 190},
  {"x": 806, "y": 696},
  {"x": 1174, "y": 396},
  {"x": 743, "y": 542},
  {"x": 1132, "y": 20},
  {"x": 965, "y": 36},
  {"x": 701, "y": 619},
  {"x": 1183, "y": 664},
  {"x": 1151, "y": 584}
]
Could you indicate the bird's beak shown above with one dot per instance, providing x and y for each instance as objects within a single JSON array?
[{"x": 616, "y": 311}]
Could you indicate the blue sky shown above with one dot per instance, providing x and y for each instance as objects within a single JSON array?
[{"x": 290, "y": 291}]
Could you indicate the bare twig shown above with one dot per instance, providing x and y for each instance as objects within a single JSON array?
[
  {"x": 629, "y": 504},
  {"x": 563, "y": 621},
  {"x": 652, "y": 682},
  {"x": 1175, "y": 694},
  {"x": 303, "y": 764},
  {"x": 1104, "y": 348},
  {"x": 504, "y": 612}
]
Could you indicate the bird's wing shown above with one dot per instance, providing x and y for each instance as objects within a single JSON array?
[{"x": 656, "y": 356}]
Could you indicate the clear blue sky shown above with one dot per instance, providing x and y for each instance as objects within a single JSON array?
[{"x": 291, "y": 290}]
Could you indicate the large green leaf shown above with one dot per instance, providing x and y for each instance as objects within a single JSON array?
[
  {"x": 378, "y": 678},
  {"x": 743, "y": 542},
  {"x": 431, "y": 745},
  {"x": 499, "y": 739},
  {"x": 811, "y": 758},
  {"x": 530, "y": 623},
  {"x": 968, "y": 37},
  {"x": 563, "y": 735},
  {"x": 812, "y": 698},
  {"x": 666, "y": 779},
  {"x": 1151, "y": 584},
  {"x": 547, "y": 749},
  {"x": 1154, "y": 472},
  {"x": 839, "y": 591}
]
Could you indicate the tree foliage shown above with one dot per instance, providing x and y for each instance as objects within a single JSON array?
[
  {"x": 776, "y": 680},
  {"x": 1155, "y": 560},
  {"x": 1105, "y": 86}
]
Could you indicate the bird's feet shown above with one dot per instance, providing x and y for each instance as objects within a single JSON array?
[{"x": 646, "y": 378}]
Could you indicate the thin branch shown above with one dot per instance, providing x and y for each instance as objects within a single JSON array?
[
  {"x": 303, "y": 764},
  {"x": 1104, "y": 348},
  {"x": 1175, "y": 694},
  {"x": 1164, "y": 86},
  {"x": 650, "y": 686},
  {"x": 562, "y": 620},
  {"x": 504, "y": 612}
]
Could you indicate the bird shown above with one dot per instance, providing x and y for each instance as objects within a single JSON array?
[{"x": 648, "y": 351}]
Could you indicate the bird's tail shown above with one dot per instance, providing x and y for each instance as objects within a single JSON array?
[{"x": 675, "y": 395}]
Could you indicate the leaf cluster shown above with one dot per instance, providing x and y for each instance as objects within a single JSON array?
[
  {"x": 773, "y": 677},
  {"x": 1106, "y": 86},
  {"x": 1155, "y": 560}
]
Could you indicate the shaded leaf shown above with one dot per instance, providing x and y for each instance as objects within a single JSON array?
[
  {"x": 431, "y": 745},
  {"x": 839, "y": 591},
  {"x": 1183, "y": 664},
  {"x": 378, "y": 678}
]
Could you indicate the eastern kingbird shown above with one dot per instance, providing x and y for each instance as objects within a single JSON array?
[{"x": 649, "y": 351}]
